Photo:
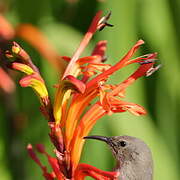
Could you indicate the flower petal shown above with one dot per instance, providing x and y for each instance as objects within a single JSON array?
[
  {"x": 22, "y": 56},
  {"x": 23, "y": 68},
  {"x": 78, "y": 85},
  {"x": 147, "y": 58},
  {"x": 72, "y": 66},
  {"x": 84, "y": 170},
  {"x": 88, "y": 59},
  {"x": 38, "y": 85},
  {"x": 99, "y": 53},
  {"x": 78, "y": 105},
  {"x": 63, "y": 94},
  {"x": 85, "y": 125},
  {"x": 135, "y": 109},
  {"x": 100, "y": 49},
  {"x": 117, "y": 105},
  {"x": 141, "y": 71},
  {"x": 116, "y": 67}
]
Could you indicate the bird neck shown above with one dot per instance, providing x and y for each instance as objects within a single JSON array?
[{"x": 133, "y": 171}]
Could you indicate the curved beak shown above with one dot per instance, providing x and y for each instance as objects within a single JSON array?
[{"x": 100, "y": 138}]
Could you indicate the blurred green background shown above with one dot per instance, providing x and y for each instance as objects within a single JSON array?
[{"x": 64, "y": 23}]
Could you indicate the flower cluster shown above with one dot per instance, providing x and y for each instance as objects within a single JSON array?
[{"x": 82, "y": 97}]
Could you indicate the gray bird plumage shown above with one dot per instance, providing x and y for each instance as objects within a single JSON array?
[{"x": 133, "y": 157}]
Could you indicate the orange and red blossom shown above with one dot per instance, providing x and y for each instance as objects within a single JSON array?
[
  {"x": 82, "y": 97},
  {"x": 110, "y": 101},
  {"x": 73, "y": 108}
]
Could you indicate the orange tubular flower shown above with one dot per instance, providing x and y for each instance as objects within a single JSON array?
[{"x": 82, "y": 97}]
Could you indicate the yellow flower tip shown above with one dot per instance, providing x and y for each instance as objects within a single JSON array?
[
  {"x": 23, "y": 68},
  {"x": 16, "y": 48},
  {"x": 70, "y": 83},
  {"x": 60, "y": 95},
  {"x": 37, "y": 84}
]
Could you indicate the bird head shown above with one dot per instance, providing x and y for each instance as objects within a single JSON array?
[{"x": 126, "y": 148}]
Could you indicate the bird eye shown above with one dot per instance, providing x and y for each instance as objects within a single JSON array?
[{"x": 122, "y": 143}]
